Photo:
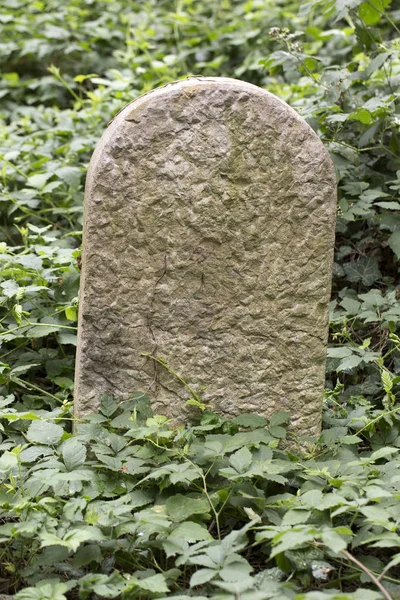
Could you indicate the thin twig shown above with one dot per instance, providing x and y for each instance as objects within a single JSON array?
[{"x": 368, "y": 572}]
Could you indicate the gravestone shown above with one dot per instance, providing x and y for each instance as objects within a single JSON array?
[{"x": 208, "y": 243}]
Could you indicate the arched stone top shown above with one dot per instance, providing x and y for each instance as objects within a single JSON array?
[{"x": 208, "y": 241}]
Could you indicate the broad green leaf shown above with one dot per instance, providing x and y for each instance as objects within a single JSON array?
[
  {"x": 191, "y": 532},
  {"x": 250, "y": 420},
  {"x": 394, "y": 243},
  {"x": 155, "y": 584},
  {"x": 241, "y": 460},
  {"x": 71, "y": 313},
  {"x": 365, "y": 270},
  {"x": 202, "y": 576},
  {"x": 342, "y": 352},
  {"x": 312, "y": 498},
  {"x": 74, "y": 454},
  {"x": 8, "y": 462},
  {"x": 377, "y": 516},
  {"x": 291, "y": 540},
  {"x": 361, "y": 114},
  {"x": 181, "y": 507},
  {"x": 235, "y": 570},
  {"x": 38, "y": 331},
  {"x": 38, "y": 181},
  {"x": 279, "y": 418},
  {"x": 71, "y": 175},
  {"x": 51, "y": 590},
  {"x": 333, "y": 540},
  {"x": 371, "y": 11},
  {"x": 108, "y": 406},
  {"x": 349, "y": 363},
  {"x": 44, "y": 432},
  {"x": 296, "y": 517}
]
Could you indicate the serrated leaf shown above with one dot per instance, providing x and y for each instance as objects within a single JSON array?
[
  {"x": 361, "y": 114},
  {"x": 383, "y": 453},
  {"x": 155, "y": 584},
  {"x": 394, "y": 243},
  {"x": 296, "y": 517},
  {"x": 349, "y": 363},
  {"x": 191, "y": 532},
  {"x": 39, "y": 180},
  {"x": 312, "y": 498},
  {"x": 181, "y": 507},
  {"x": 74, "y": 454},
  {"x": 202, "y": 576},
  {"x": 333, "y": 540},
  {"x": 39, "y": 331},
  {"x": 71, "y": 175},
  {"x": 241, "y": 460},
  {"x": 108, "y": 406},
  {"x": 365, "y": 270},
  {"x": 44, "y": 432},
  {"x": 250, "y": 420},
  {"x": 342, "y": 352},
  {"x": 279, "y": 418},
  {"x": 291, "y": 540}
]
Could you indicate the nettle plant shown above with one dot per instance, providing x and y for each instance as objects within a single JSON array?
[{"x": 135, "y": 507}]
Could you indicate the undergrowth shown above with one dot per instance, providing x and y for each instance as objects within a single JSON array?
[{"x": 133, "y": 504}]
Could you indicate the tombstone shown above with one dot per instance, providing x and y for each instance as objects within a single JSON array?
[{"x": 208, "y": 243}]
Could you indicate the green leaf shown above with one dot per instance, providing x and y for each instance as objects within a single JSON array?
[
  {"x": 394, "y": 243},
  {"x": 371, "y": 11},
  {"x": 241, "y": 460},
  {"x": 38, "y": 181},
  {"x": 108, "y": 405},
  {"x": 109, "y": 586},
  {"x": 365, "y": 270},
  {"x": 44, "y": 432},
  {"x": 312, "y": 498},
  {"x": 45, "y": 590},
  {"x": 352, "y": 307},
  {"x": 202, "y": 576},
  {"x": 383, "y": 453},
  {"x": 67, "y": 338},
  {"x": 39, "y": 331},
  {"x": 291, "y": 540},
  {"x": 349, "y": 363},
  {"x": 74, "y": 454},
  {"x": 73, "y": 538},
  {"x": 71, "y": 313},
  {"x": 8, "y": 461},
  {"x": 71, "y": 175},
  {"x": 279, "y": 418},
  {"x": 333, "y": 540},
  {"x": 296, "y": 517},
  {"x": 342, "y": 352},
  {"x": 155, "y": 584},
  {"x": 181, "y": 507},
  {"x": 191, "y": 532},
  {"x": 250, "y": 420},
  {"x": 377, "y": 516},
  {"x": 361, "y": 114}
]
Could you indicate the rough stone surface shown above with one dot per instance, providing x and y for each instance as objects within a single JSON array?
[{"x": 208, "y": 241}]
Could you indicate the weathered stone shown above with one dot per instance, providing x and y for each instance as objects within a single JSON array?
[{"x": 208, "y": 241}]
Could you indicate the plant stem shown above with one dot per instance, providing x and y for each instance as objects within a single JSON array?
[{"x": 368, "y": 572}]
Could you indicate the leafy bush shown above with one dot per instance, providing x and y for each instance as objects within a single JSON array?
[
  {"x": 108, "y": 511},
  {"x": 133, "y": 505}
]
